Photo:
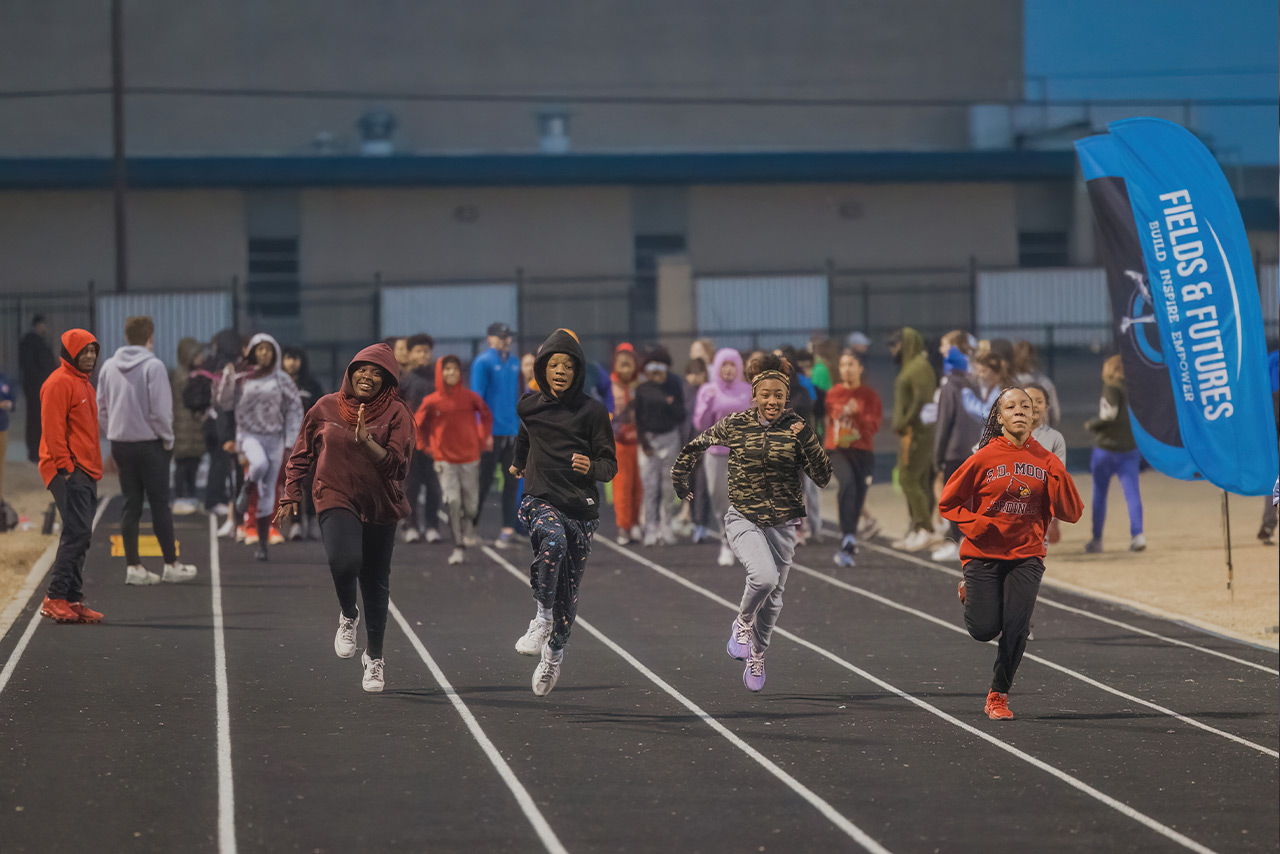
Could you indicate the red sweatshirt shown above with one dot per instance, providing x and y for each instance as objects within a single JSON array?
[
  {"x": 69, "y": 415},
  {"x": 448, "y": 426},
  {"x": 1003, "y": 497},
  {"x": 865, "y": 422}
]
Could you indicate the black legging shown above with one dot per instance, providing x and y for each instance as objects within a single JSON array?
[
  {"x": 360, "y": 553},
  {"x": 853, "y": 468}
]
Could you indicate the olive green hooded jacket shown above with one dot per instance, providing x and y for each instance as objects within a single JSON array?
[{"x": 914, "y": 386}]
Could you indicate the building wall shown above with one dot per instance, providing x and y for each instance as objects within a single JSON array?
[{"x": 876, "y": 50}]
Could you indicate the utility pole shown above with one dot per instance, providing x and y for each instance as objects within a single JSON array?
[{"x": 120, "y": 180}]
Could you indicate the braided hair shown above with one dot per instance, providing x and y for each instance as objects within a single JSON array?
[{"x": 991, "y": 427}]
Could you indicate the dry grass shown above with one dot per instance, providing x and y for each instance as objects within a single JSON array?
[{"x": 19, "y": 549}]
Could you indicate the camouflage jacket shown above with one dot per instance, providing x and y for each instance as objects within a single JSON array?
[{"x": 764, "y": 464}]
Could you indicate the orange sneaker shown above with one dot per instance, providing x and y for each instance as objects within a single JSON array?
[
  {"x": 250, "y": 535},
  {"x": 998, "y": 707},
  {"x": 276, "y": 538},
  {"x": 86, "y": 614},
  {"x": 58, "y": 610},
  {"x": 960, "y": 591}
]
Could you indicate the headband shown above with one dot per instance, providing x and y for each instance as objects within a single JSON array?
[{"x": 769, "y": 375}]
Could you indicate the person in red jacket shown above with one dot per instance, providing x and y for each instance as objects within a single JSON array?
[
  {"x": 356, "y": 444},
  {"x": 454, "y": 426},
  {"x": 71, "y": 466},
  {"x": 1002, "y": 498},
  {"x": 854, "y": 415}
]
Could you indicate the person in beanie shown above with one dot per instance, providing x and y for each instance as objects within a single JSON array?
[
  {"x": 355, "y": 446},
  {"x": 71, "y": 466},
  {"x": 564, "y": 448},
  {"x": 659, "y": 417},
  {"x": 913, "y": 389},
  {"x": 495, "y": 376},
  {"x": 769, "y": 447}
]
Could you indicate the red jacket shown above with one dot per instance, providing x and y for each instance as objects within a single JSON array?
[
  {"x": 345, "y": 475},
  {"x": 864, "y": 423},
  {"x": 448, "y": 428},
  {"x": 69, "y": 415},
  {"x": 1003, "y": 497}
]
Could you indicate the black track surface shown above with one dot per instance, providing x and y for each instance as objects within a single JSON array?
[{"x": 108, "y": 733}]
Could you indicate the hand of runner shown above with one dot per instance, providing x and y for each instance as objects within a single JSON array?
[
  {"x": 581, "y": 463},
  {"x": 797, "y": 427},
  {"x": 515, "y": 472},
  {"x": 362, "y": 431},
  {"x": 285, "y": 513}
]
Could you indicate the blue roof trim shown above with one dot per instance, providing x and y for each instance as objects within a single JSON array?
[{"x": 540, "y": 170}]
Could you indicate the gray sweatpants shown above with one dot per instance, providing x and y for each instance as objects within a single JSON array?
[
  {"x": 655, "y": 478},
  {"x": 265, "y": 455},
  {"x": 717, "y": 468},
  {"x": 767, "y": 554},
  {"x": 460, "y": 492}
]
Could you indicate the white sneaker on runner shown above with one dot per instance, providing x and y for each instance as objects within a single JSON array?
[
  {"x": 412, "y": 535},
  {"x": 432, "y": 535},
  {"x": 374, "y": 679},
  {"x": 140, "y": 575},
  {"x": 176, "y": 573},
  {"x": 457, "y": 556},
  {"x": 228, "y": 527},
  {"x": 547, "y": 673},
  {"x": 344, "y": 642},
  {"x": 726, "y": 557},
  {"x": 532, "y": 641},
  {"x": 948, "y": 551}
]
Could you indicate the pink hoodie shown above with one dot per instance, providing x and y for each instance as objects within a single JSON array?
[{"x": 717, "y": 398}]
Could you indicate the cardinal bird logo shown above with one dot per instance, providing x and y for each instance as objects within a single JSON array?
[{"x": 1018, "y": 488}]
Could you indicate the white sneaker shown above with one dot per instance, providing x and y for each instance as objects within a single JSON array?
[
  {"x": 471, "y": 541},
  {"x": 917, "y": 540},
  {"x": 535, "y": 637},
  {"x": 650, "y": 540},
  {"x": 726, "y": 557},
  {"x": 412, "y": 535},
  {"x": 228, "y": 527},
  {"x": 221, "y": 509},
  {"x": 374, "y": 680},
  {"x": 942, "y": 528},
  {"x": 344, "y": 642},
  {"x": 948, "y": 551},
  {"x": 176, "y": 573},
  {"x": 667, "y": 537},
  {"x": 432, "y": 535},
  {"x": 636, "y": 533},
  {"x": 1138, "y": 543},
  {"x": 624, "y": 539},
  {"x": 184, "y": 506},
  {"x": 547, "y": 673},
  {"x": 140, "y": 575},
  {"x": 457, "y": 556},
  {"x": 295, "y": 532}
]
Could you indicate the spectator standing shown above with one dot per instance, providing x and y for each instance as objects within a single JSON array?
[
  {"x": 35, "y": 363},
  {"x": 219, "y": 429},
  {"x": 957, "y": 431},
  {"x": 6, "y": 407},
  {"x": 423, "y": 487},
  {"x": 696, "y": 512},
  {"x": 135, "y": 411},
  {"x": 912, "y": 389},
  {"x": 495, "y": 376},
  {"x": 1115, "y": 454},
  {"x": 188, "y": 428},
  {"x": 71, "y": 466},
  {"x": 628, "y": 495},
  {"x": 659, "y": 417},
  {"x": 726, "y": 392}
]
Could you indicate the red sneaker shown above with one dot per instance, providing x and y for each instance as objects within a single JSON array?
[
  {"x": 86, "y": 614},
  {"x": 58, "y": 610},
  {"x": 275, "y": 538},
  {"x": 960, "y": 591},
  {"x": 998, "y": 707}
]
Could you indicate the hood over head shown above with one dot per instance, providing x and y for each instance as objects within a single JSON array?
[
  {"x": 561, "y": 341},
  {"x": 73, "y": 343},
  {"x": 441, "y": 385},
  {"x": 188, "y": 349},
  {"x": 375, "y": 354},
  {"x": 731, "y": 356},
  {"x": 912, "y": 344},
  {"x": 275, "y": 345}
]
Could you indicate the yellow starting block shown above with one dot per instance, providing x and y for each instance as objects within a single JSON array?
[{"x": 148, "y": 546}]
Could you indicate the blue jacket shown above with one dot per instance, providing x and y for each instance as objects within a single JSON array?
[
  {"x": 497, "y": 381},
  {"x": 6, "y": 393}
]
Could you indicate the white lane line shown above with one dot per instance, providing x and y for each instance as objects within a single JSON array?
[
  {"x": 955, "y": 573},
  {"x": 1076, "y": 783},
  {"x": 1074, "y": 674},
  {"x": 226, "y": 785},
  {"x": 530, "y": 809},
  {"x": 34, "y": 577},
  {"x": 812, "y": 798}
]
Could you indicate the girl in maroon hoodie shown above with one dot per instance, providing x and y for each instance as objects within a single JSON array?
[
  {"x": 357, "y": 444},
  {"x": 1002, "y": 498},
  {"x": 454, "y": 426}
]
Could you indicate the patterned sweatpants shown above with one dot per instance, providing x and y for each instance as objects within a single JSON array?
[{"x": 561, "y": 546}]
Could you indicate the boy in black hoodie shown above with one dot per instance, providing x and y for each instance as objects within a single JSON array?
[
  {"x": 565, "y": 445},
  {"x": 659, "y": 418}
]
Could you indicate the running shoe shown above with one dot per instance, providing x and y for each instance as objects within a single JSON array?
[
  {"x": 84, "y": 613},
  {"x": 58, "y": 610},
  {"x": 636, "y": 533},
  {"x": 248, "y": 535},
  {"x": 739, "y": 645},
  {"x": 726, "y": 557},
  {"x": 547, "y": 673},
  {"x": 960, "y": 591},
  {"x": 1093, "y": 547},
  {"x": 998, "y": 707},
  {"x": 535, "y": 637},
  {"x": 457, "y": 556},
  {"x": 503, "y": 541},
  {"x": 176, "y": 573},
  {"x": 1267, "y": 538},
  {"x": 344, "y": 642},
  {"x": 139, "y": 575},
  {"x": 946, "y": 552},
  {"x": 432, "y": 535},
  {"x": 699, "y": 534},
  {"x": 623, "y": 539},
  {"x": 275, "y": 538},
  {"x": 295, "y": 532},
  {"x": 843, "y": 559},
  {"x": 753, "y": 675},
  {"x": 374, "y": 680},
  {"x": 228, "y": 527},
  {"x": 412, "y": 535},
  {"x": 1138, "y": 543}
]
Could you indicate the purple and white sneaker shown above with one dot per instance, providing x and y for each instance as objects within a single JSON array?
[
  {"x": 739, "y": 644},
  {"x": 753, "y": 676}
]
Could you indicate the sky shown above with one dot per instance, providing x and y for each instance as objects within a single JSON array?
[{"x": 1165, "y": 49}]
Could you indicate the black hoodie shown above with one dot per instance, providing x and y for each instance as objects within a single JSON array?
[{"x": 553, "y": 429}]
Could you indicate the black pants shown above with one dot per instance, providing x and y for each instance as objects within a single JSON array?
[
  {"x": 422, "y": 476},
  {"x": 144, "y": 471},
  {"x": 33, "y": 424},
  {"x": 561, "y": 546},
  {"x": 184, "y": 477},
  {"x": 999, "y": 596},
  {"x": 853, "y": 468},
  {"x": 360, "y": 555},
  {"x": 700, "y": 510},
  {"x": 503, "y": 453},
  {"x": 950, "y": 467},
  {"x": 77, "y": 499}
]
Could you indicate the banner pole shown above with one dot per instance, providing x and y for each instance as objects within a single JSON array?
[{"x": 1226, "y": 530}]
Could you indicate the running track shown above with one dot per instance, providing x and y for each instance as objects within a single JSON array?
[{"x": 214, "y": 717}]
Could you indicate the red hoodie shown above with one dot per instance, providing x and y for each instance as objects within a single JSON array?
[
  {"x": 345, "y": 475},
  {"x": 69, "y": 415},
  {"x": 447, "y": 425},
  {"x": 1003, "y": 497}
]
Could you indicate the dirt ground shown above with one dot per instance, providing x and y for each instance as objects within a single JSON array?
[
  {"x": 19, "y": 549},
  {"x": 1183, "y": 570}
]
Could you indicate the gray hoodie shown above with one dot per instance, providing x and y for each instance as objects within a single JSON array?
[
  {"x": 266, "y": 404},
  {"x": 135, "y": 403}
]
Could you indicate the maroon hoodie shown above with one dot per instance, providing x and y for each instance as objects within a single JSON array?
[
  {"x": 453, "y": 422},
  {"x": 345, "y": 475}
]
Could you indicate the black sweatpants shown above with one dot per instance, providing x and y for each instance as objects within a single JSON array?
[
  {"x": 950, "y": 467},
  {"x": 77, "y": 500},
  {"x": 853, "y": 468},
  {"x": 422, "y": 476},
  {"x": 503, "y": 454},
  {"x": 144, "y": 471},
  {"x": 184, "y": 477},
  {"x": 999, "y": 596},
  {"x": 561, "y": 546},
  {"x": 360, "y": 555}
]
